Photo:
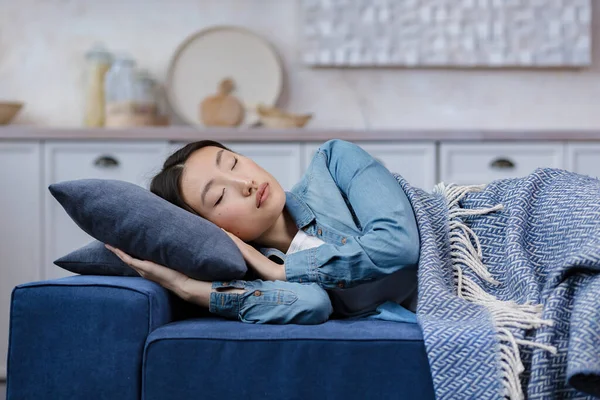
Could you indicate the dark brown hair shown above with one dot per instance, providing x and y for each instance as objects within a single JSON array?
[{"x": 167, "y": 183}]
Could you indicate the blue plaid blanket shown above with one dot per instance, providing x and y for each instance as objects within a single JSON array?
[{"x": 509, "y": 286}]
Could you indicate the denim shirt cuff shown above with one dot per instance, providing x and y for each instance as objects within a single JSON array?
[
  {"x": 301, "y": 266},
  {"x": 224, "y": 303}
]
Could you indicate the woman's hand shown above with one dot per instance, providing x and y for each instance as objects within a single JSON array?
[
  {"x": 265, "y": 268},
  {"x": 188, "y": 289}
]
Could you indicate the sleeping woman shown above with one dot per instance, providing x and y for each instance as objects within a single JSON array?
[
  {"x": 343, "y": 241},
  {"x": 508, "y": 272}
]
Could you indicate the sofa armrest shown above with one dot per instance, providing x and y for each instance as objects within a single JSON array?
[{"x": 83, "y": 336}]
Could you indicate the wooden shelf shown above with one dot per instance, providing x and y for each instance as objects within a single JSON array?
[{"x": 185, "y": 133}]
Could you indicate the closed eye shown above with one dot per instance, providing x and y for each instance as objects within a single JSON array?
[
  {"x": 235, "y": 161},
  {"x": 220, "y": 198}
]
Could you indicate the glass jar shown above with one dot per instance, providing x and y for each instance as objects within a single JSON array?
[
  {"x": 120, "y": 89},
  {"x": 146, "y": 101},
  {"x": 98, "y": 62}
]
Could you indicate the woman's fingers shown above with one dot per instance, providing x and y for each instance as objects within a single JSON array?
[
  {"x": 231, "y": 235},
  {"x": 126, "y": 258},
  {"x": 243, "y": 246},
  {"x": 166, "y": 277}
]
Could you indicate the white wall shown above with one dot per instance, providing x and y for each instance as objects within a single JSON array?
[{"x": 42, "y": 43}]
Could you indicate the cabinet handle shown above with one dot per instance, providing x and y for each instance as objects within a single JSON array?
[
  {"x": 106, "y": 162},
  {"x": 502, "y": 163}
]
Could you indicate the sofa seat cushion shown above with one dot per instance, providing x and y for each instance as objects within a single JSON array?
[{"x": 214, "y": 358}]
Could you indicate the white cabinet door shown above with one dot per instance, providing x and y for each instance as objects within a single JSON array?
[
  {"x": 416, "y": 162},
  {"x": 20, "y": 230},
  {"x": 584, "y": 158},
  {"x": 479, "y": 163},
  {"x": 283, "y": 161},
  {"x": 126, "y": 161}
]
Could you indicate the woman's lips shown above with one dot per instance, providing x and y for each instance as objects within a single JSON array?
[{"x": 262, "y": 194}]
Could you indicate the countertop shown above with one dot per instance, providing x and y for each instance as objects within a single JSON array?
[{"x": 184, "y": 133}]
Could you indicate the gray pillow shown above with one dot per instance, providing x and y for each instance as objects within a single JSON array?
[
  {"x": 94, "y": 259},
  {"x": 145, "y": 226}
]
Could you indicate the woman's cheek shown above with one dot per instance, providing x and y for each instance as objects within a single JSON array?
[
  {"x": 238, "y": 222},
  {"x": 228, "y": 219}
]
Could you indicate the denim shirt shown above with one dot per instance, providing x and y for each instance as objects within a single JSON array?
[{"x": 355, "y": 205}]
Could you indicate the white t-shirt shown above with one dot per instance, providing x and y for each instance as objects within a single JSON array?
[
  {"x": 302, "y": 241},
  {"x": 367, "y": 296}
]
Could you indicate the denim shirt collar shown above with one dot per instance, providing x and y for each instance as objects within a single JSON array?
[
  {"x": 302, "y": 215},
  {"x": 300, "y": 212}
]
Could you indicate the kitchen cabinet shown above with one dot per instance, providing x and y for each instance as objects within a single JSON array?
[
  {"x": 21, "y": 227},
  {"x": 478, "y": 163},
  {"x": 583, "y": 158}
]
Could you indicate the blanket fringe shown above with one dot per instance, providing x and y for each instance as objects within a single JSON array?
[{"x": 465, "y": 251}]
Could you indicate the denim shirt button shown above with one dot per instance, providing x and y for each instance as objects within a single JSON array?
[
  {"x": 343, "y": 240},
  {"x": 257, "y": 293},
  {"x": 340, "y": 284},
  {"x": 319, "y": 232}
]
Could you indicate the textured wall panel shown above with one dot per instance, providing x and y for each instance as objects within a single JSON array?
[{"x": 489, "y": 33}]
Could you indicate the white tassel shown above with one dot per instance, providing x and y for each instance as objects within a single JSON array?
[{"x": 505, "y": 314}]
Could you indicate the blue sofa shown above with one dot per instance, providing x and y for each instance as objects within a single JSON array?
[{"x": 101, "y": 337}]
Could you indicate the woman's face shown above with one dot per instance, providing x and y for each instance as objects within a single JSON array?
[{"x": 222, "y": 187}]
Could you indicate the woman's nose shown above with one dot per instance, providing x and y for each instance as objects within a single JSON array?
[{"x": 247, "y": 186}]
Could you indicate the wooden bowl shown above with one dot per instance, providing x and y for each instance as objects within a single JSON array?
[
  {"x": 8, "y": 110},
  {"x": 273, "y": 117},
  {"x": 288, "y": 121}
]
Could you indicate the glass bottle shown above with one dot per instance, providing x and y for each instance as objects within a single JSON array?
[
  {"x": 146, "y": 102},
  {"x": 119, "y": 85},
  {"x": 98, "y": 62}
]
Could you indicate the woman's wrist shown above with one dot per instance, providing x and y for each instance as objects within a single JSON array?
[
  {"x": 197, "y": 292},
  {"x": 277, "y": 271}
]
